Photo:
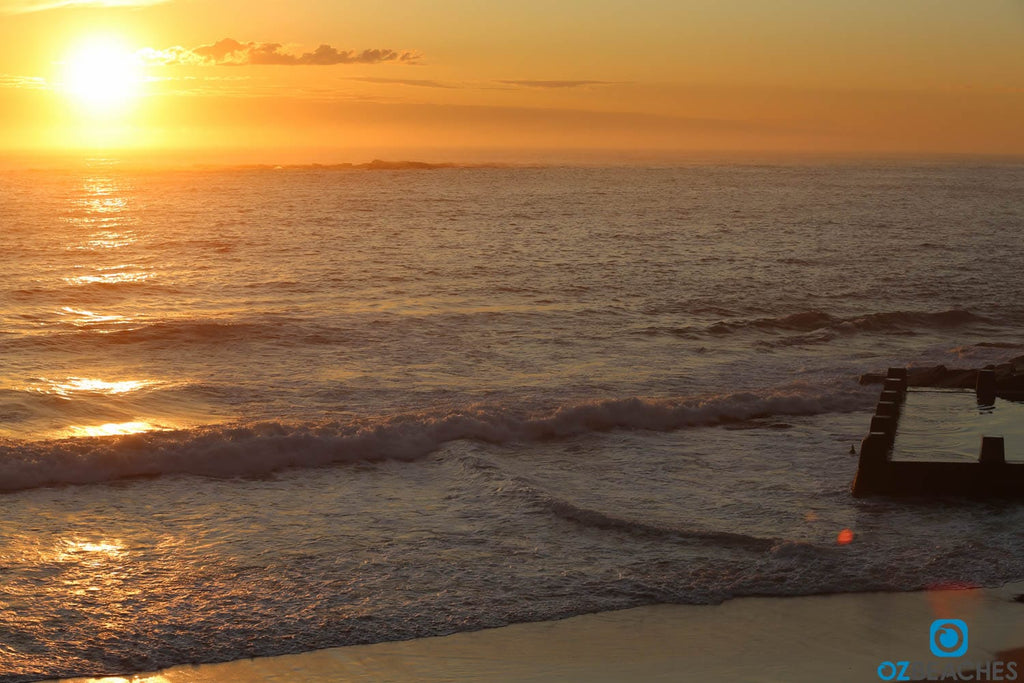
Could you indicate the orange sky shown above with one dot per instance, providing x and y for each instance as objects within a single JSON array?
[{"x": 461, "y": 79}]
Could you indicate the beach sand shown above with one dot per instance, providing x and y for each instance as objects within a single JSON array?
[{"x": 818, "y": 638}]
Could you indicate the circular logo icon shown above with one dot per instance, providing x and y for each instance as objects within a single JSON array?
[{"x": 948, "y": 638}]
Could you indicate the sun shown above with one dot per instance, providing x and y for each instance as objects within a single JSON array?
[{"x": 102, "y": 76}]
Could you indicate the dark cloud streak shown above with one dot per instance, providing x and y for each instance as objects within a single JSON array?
[
  {"x": 230, "y": 52},
  {"x": 419, "y": 83},
  {"x": 555, "y": 84}
]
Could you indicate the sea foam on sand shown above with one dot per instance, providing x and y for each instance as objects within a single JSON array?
[{"x": 818, "y": 638}]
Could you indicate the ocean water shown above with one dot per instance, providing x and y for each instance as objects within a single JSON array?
[
  {"x": 943, "y": 424},
  {"x": 250, "y": 411}
]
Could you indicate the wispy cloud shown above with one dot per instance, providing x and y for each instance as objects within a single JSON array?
[
  {"x": 27, "y": 82},
  {"x": 26, "y": 6},
  {"x": 230, "y": 52},
  {"x": 555, "y": 84},
  {"x": 415, "y": 82}
]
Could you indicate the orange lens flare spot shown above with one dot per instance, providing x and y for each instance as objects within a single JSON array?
[{"x": 845, "y": 537}]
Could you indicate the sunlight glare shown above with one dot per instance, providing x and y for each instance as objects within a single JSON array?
[{"x": 103, "y": 76}]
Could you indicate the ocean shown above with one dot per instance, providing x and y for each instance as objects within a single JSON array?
[{"x": 255, "y": 411}]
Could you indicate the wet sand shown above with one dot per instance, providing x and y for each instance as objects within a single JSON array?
[{"x": 835, "y": 638}]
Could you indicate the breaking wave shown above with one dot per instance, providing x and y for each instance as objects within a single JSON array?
[{"x": 245, "y": 450}]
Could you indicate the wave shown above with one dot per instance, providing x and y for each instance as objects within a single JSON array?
[
  {"x": 193, "y": 331},
  {"x": 99, "y": 290},
  {"x": 819, "y": 321},
  {"x": 807, "y": 327},
  {"x": 376, "y": 165},
  {"x": 600, "y": 520},
  {"x": 247, "y": 450},
  {"x": 274, "y": 329},
  {"x": 81, "y": 401},
  {"x": 286, "y": 330},
  {"x": 526, "y": 490}
]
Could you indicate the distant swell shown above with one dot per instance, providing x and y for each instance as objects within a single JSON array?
[
  {"x": 894, "y": 321},
  {"x": 290, "y": 331},
  {"x": 259, "y": 449},
  {"x": 280, "y": 330}
]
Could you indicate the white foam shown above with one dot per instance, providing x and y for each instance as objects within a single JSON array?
[{"x": 261, "y": 448}]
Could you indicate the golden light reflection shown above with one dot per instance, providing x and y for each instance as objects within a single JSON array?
[
  {"x": 108, "y": 239},
  {"x": 103, "y": 204},
  {"x": 75, "y": 549},
  {"x": 102, "y": 209},
  {"x": 72, "y": 385},
  {"x": 116, "y": 277},
  {"x": 88, "y": 319},
  {"x": 99, "y": 186},
  {"x": 114, "y": 429}
]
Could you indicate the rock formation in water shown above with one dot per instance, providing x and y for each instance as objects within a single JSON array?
[{"x": 1009, "y": 377}]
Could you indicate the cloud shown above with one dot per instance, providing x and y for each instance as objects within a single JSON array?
[
  {"x": 230, "y": 52},
  {"x": 406, "y": 81},
  {"x": 26, "y": 6},
  {"x": 28, "y": 82},
  {"x": 555, "y": 84}
]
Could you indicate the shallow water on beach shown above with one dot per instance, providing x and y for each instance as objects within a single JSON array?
[{"x": 248, "y": 412}]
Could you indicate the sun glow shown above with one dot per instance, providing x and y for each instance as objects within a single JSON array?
[{"x": 103, "y": 76}]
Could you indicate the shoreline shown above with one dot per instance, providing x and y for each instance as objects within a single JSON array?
[{"x": 842, "y": 637}]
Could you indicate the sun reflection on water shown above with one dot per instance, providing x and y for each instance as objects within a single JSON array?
[
  {"x": 104, "y": 210},
  {"x": 114, "y": 277},
  {"x": 76, "y": 549},
  {"x": 100, "y": 204},
  {"x": 88, "y": 319},
  {"x": 107, "y": 239},
  {"x": 69, "y": 386},
  {"x": 114, "y": 429},
  {"x": 99, "y": 186},
  {"x": 85, "y": 389}
]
